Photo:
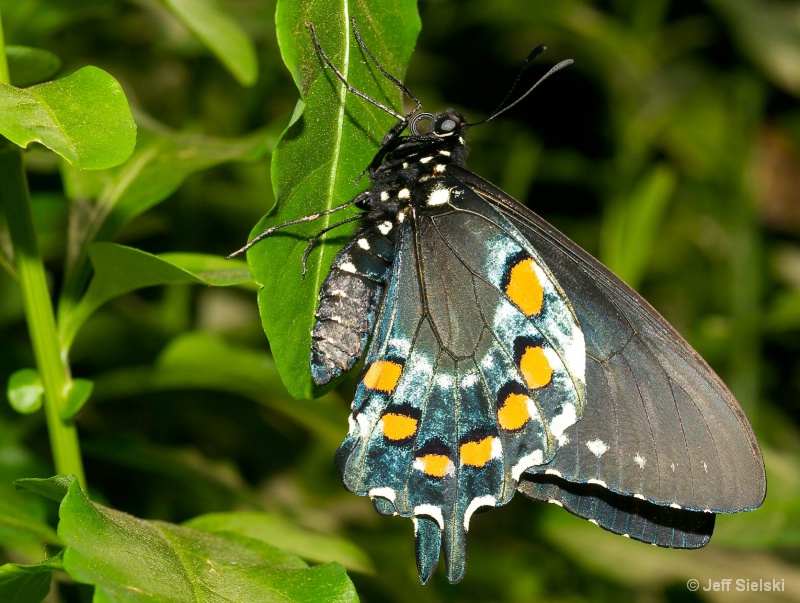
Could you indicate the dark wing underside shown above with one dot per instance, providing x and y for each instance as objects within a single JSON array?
[{"x": 658, "y": 424}]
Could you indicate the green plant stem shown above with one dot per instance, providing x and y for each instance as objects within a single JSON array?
[
  {"x": 4, "y": 75},
  {"x": 15, "y": 202}
]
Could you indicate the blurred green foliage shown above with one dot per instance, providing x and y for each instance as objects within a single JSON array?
[{"x": 671, "y": 149}]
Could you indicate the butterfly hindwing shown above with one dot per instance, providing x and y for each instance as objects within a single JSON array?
[{"x": 470, "y": 378}]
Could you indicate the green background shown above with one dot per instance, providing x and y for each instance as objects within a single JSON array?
[{"x": 670, "y": 150}]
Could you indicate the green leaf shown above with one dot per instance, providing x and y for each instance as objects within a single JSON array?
[
  {"x": 631, "y": 225},
  {"x": 282, "y": 533},
  {"x": 331, "y": 138},
  {"x": 28, "y": 66},
  {"x": 25, "y": 391},
  {"x": 203, "y": 360},
  {"x": 769, "y": 32},
  {"x": 83, "y": 117},
  {"x": 129, "y": 559},
  {"x": 221, "y": 34},
  {"x": 160, "y": 164},
  {"x": 79, "y": 392},
  {"x": 27, "y": 583},
  {"x": 23, "y": 521},
  {"x": 119, "y": 270},
  {"x": 55, "y": 488}
]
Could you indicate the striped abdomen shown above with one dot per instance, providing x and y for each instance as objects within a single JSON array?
[{"x": 348, "y": 302}]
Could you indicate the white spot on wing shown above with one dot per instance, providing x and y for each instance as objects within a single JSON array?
[
  {"x": 445, "y": 153},
  {"x": 387, "y": 493},
  {"x": 560, "y": 422},
  {"x": 555, "y": 502},
  {"x": 469, "y": 380},
  {"x": 348, "y": 267},
  {"x": 440, "y": 167},
  {"x": 599, "y": 482},
  {"x": 385, "y": 227},
  {"x": 404, "y": 193},
  {"x": 640, "y": 460},
  {"x": 594, "y": 521},
  {"x": 552, "y": 472},
  {"x": 444, "y": 380},
  {"x": 384, "y": 195},
  {"x": 526, "y": 462},
  {"x": 475, "y": 504},
  {"x": 597, "y": 447},
  {"x": 431, "y": 511},
  {"x": 425, "y": 159},
  {"x": 439, "y": 196},
  {"x": 675, "y": 506},
  {"x": 364, "y": 244},
  {"x": 364, "y": 424},
  {"x": 639, "y": 496}
]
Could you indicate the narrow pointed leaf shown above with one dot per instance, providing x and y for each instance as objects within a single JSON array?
[
  {"x": 221, "y": 34},
  {"x": 332, "y": 137}
]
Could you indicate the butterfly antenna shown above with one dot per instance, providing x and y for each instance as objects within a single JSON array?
[
  {"x": 503, "y": 107},
  {"x": 344, "y": 81},
  {"x": 398, "y": 84}
]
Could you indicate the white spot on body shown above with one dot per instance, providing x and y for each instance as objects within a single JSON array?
[
  {"x": 431, "y": 511},
  {"x": 425, "y": 159},
  {"x": 405, "y": 165},
  {"x": 401, "y": 216},
  {"x": 445, "y": 153},
  {"x": 598, "y": 482},
  {"x": 352, "y": 426},
  {"x": 364, "y": 244},
  {"x": 439, "y": 196},
  {"x": 475, "y": 504},
  {"x": 387, "y": 493},
  {"x": 440, "y": 167},
  {"x": 640, "y": 460},
  {"x": 597, "y": 447},
  {"x": 526, "y": 462},
  {"x": 384, "y": 195},
  {"x": 385, "y": 227},
  {"x": 403, "y": 193},
  {"x": 347, "y": 267}
]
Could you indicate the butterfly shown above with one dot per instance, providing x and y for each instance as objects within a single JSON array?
[{"x": 499, "y": 357}]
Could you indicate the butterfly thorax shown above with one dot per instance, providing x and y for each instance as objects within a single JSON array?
[{"x": 405, "y": 161}]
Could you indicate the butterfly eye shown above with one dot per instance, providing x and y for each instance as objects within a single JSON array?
[{"x": 446, "y": 126}]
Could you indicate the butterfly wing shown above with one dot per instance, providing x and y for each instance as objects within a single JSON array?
[
  {"x": 474, "y": 372},
  {"x": 658, "y": 425}
]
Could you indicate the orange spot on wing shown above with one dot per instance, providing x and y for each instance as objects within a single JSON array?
[
  {"x": 535, "y": 368},
  {"x": 383, "y": 375},
  {"x": 398, "y": 427},
  {"x": 435, "y": 465},
  {"x": 524, "y": 288},
  {"x": 514, "y": 412},
  {"x": 477, "y": 453}
]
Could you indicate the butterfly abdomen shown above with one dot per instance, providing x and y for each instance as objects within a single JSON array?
[{"x": 348, "y": 298}]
